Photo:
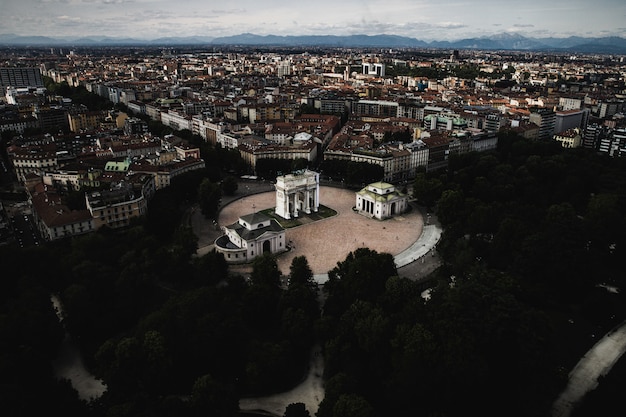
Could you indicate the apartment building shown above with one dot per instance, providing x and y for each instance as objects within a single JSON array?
[
  {"x": 570, "y": 138},
  {"x": 34, "y": 159},
  {"x": 20, "y": 77},
  {"x": 251, "y": 153},
  {"x": 165, "y": 173},
  {"x": 53, "y": 219},
  {"x": 85, "y": 120},
  {"x": 375, "y": 108},
  {"x": 569, "y": 119},
  {"x": 546, "y": 120},
  {"x": 125, "y": 200}
]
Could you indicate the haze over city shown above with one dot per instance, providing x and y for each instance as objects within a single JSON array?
[{"x": 425, "y": 20}]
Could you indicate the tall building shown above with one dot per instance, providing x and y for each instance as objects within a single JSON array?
[
  {"x": 618, "y": 142},
  {"x": 568, "y": 119},
  {"x": 546, "y": 120},
  {"x": 375, "y": 108},
  {"x": 593, "y": 135},
  {"x": 493, "y": 122},
  {"x": 283, "y": 68},
  {"x": 20, "y": 77},
  {"x": 567, "y": 103},
  {"x": 376, "y": 69},
  {"x": 52, "y": 120}
]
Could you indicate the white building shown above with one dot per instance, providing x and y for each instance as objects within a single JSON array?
[
  {"x": 297, "y": 192},
  {"x": 252, "y": 235},
  {"x": 374, "y": 68},
  {"x": 381, "y": 200},
  {"x": 176, "y": 120}
]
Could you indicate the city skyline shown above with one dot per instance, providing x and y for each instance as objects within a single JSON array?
[{"x": 424, "y": 20}]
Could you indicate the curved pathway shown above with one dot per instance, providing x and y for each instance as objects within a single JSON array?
[
  {"x": 69, "y": 364},
  {"x": 597, "y": 362},
  {"x": 310, "y": 392}
]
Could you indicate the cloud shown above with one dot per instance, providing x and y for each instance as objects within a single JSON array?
[
  {"x": 519, "y": 25},
  {"x": 108, "y": 1},
  {"x": 66, "y": 18},
  {"x": 228, "y": 11},
  {"x": 449, "y": 25}
]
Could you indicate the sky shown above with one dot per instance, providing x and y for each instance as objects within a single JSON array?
[{"x": 421, "y": 19}]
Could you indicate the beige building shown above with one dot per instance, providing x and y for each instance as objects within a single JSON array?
[
  {"x": 252, "y": 235},
  {"x": 33, "y": 159},
  {"x": 85, "y": 120},
  {"x": 381, "y": 200},
  {"x": 125, "y": 200},
  {"x": 571, "y": 138},
  {"x": 55, "y": 220}
]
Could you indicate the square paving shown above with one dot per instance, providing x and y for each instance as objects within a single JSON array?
[{"x": 328, "y": 241}]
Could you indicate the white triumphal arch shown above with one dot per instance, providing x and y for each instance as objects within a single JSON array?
[{"x": 297, "y": 192}]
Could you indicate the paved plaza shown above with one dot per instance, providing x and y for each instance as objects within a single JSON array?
[{"x": 328, "y": 241}]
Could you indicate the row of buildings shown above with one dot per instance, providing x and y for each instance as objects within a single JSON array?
[
  {"x": 332, "y": 105},
  {"x": 116, "y": 176}
]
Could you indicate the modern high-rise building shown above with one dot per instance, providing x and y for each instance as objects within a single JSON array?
[
  {"x": 376, "y": 69},
  {"x": 546, "y": 120},
  {"x": 20, "y": 77},
  {"x": 568, "y": 119},
  {"x": 594, "y": 133},
  {"x": 283, "y": 68}
]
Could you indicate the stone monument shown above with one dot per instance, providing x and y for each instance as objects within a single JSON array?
[{"x": 296, "y": 192}]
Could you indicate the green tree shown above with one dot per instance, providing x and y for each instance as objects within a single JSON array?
[
  {"x": 300, "y": 272},
  {"x": 361, "y": 276},
  {"x": 296, "y": 410},
  {"x": 211, "y": 397},
  {"x": 352, "y": 405},
  {"x": 209, "y": 195},
  {"x": 427, "y": 190},
  {"x": 450, "y": 207},
  {"x": 262, "y": 297},
  {"x": 229, "y": 185},
  {"x": 185, "y": 244},
  {"x": 265, "y": 271},
  {"x": 299, "y": 164}
]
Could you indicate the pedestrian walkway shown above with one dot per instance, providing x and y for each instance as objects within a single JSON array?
[
  {"x": 424, "y": 245},
  {"x": 597, "y": 362},
  {"x": 326, "y": 242}
]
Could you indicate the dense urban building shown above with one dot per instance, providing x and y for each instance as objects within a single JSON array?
[{"x": 387, "y": 109}]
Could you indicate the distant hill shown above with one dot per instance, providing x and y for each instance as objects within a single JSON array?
[
  {"x": 506, "y": 41},
  {"x": 16, "y": 40},
  {"x": 502, "y": 41},
  {"x": 322, "y": 40}
]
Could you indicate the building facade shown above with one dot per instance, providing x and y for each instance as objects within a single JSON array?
[
  {"x": 380, "y": 200},
  {"x": 251, "y": 236}
]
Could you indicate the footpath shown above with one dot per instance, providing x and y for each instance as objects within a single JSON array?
[{"x": 597, "y": 362}]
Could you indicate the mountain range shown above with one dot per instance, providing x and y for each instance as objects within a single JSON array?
[{"x": 502, "y": 41}]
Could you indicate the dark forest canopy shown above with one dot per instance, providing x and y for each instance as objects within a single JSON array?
[{"x": 530, "y": 230}]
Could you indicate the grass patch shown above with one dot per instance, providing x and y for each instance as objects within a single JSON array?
[{"x": 323, "y": 212}]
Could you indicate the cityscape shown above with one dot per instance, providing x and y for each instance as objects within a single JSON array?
[{"x": 316, "y": 222}]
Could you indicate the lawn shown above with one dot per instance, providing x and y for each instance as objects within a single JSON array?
[{"x": 323, "y": 212}]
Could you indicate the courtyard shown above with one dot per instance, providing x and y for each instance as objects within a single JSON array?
[{"x": 328, "y": 241}]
